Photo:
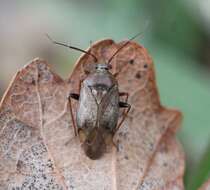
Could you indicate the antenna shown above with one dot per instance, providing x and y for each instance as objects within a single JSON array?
[
  {"x": 72, "y": 47},
  {"x": 137, "y": 35}
]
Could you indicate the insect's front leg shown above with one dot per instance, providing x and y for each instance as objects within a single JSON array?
[{"x": 127, "y": 107}]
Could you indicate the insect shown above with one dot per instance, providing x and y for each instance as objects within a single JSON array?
[{"x": 98, "y": 111}]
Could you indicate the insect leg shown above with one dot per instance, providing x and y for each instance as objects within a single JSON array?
[
  {"x": 126, "y": 98},
  {"x": 124, "y": 94},
  {"x": 123, "y": 105},
  {"x": 76, "y": 97}
]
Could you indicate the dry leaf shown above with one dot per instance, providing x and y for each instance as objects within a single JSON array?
[
  {"x": 206, "y": 186},
  {"x": 38, "y": 149}
]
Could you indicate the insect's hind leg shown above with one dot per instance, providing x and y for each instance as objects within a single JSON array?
[
  {"x": 76, "y": 97},
  {"x": 126, "y": 95},
  {"x": 123, "y": 105}
]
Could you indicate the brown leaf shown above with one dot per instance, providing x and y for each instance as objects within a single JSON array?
[
  {"x": 206, "y": 185},
  {"x": 38, "y": 148}
]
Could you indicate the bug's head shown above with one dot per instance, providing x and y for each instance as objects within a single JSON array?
[
  {"x": 103, "y": 67},
  {"x": 94, "y": 142}
]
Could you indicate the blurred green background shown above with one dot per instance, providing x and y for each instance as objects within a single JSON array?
[{"x": 178, "y": 39}]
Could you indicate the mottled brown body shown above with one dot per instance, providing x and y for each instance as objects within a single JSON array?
[{"x": 98, "y": 111}]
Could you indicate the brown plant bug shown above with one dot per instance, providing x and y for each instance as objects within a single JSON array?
[{"x": 99, "y": 106}]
